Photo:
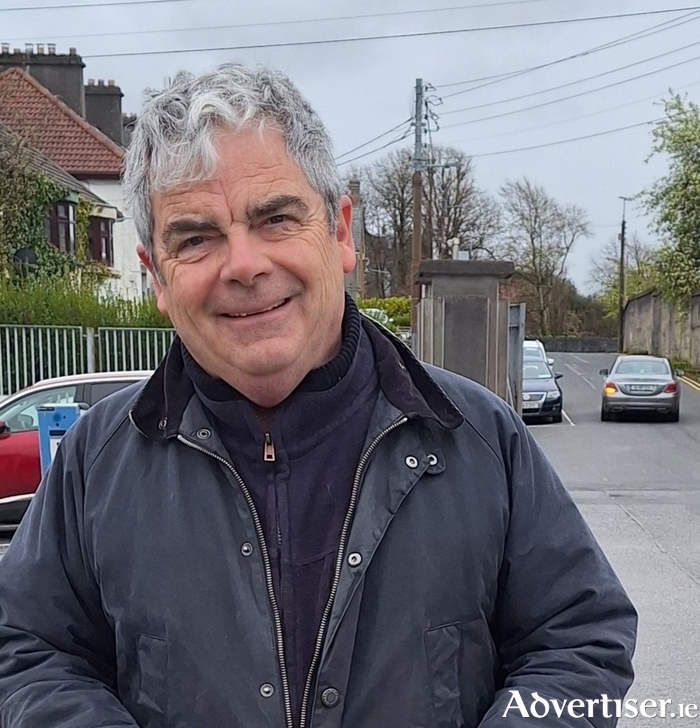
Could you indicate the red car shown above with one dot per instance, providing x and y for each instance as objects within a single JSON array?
[{"x": 20, "y": 470}]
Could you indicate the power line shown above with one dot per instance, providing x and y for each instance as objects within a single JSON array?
[
  {"x": 313, "y": 20},
  {"x": 572, "y": 96},
  {"x": 378, "y": 149},
  {"x": 572, "y": 83},
  {"x": 392, "y": 36},
  {"x": 374, "y": 139},
  {"x": 652, "y": 30},
  {"x": 567, "y": 141}
]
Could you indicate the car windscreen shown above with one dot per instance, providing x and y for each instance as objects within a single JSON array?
[
  {"x": 536, "y": 370},
  {"x": 640, "y": 367}
]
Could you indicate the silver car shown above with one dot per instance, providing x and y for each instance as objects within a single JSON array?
[{"x": 641, "y": 384}]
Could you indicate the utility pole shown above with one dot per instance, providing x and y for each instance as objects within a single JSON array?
[
  {"x": 416, "y": 247},
  {"x": 621, "y": 287}
]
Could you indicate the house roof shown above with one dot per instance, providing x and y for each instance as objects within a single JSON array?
[
  {"x": 54, "y": 129},
  {"x": 41, "y": 164}
]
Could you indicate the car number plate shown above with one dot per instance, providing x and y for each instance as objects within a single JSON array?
[
  {"x": 641, "y": 388},
  {"x": 531, "y": 405}
]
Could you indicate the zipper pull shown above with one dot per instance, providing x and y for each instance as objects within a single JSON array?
[{"x": 269, "y": 449}]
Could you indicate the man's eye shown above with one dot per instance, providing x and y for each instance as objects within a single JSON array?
[
  {"x": 194, "y": 242},
  {"x": 277, "y": 219}
]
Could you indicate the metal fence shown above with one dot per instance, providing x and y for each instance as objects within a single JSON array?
[{"x": 31, "y": 353}]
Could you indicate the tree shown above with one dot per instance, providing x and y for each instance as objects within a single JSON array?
[
  {"x": 538, "y": 235},
  {"x": 452, "y": 207},
  {"x": 674, "y": 200},
  {"x": 641, "y": 272}
]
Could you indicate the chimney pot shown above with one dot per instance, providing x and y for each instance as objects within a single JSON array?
[
  {"x": 72, "y": 51},
  {"x": 91, "y": 81},
  {"x": 100, "y": 82},
  {"x": 40, "y": 48},
  {"x": 5, "y": 47},
  {"x": 29, "y": 48},
  {"x": 52, "y": 49},
  {"x": 110, "y": 82}
]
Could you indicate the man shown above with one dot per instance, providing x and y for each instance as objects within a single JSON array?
[{"x": 293, "y": 523}]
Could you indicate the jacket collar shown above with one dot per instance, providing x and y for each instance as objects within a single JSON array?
[{"x": 161, "y": 404}]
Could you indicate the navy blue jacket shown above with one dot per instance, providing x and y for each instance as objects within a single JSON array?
[{"x": 137, "y": 591}]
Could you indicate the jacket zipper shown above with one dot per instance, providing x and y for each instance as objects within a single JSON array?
[
  {"x": 339, "y": 563},
  {"x": 268, "y": 575},
  {"x": 268, "y": 449}
]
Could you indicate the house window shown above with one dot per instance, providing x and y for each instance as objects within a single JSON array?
[
  {"x": 61, "y": 226},
  {"x": 101, "y": 240}
]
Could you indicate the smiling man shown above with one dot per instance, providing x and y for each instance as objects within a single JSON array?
[{"x": 293, "y": 523}]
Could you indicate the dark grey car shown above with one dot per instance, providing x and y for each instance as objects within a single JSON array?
[{"x": 641, "y": 384}]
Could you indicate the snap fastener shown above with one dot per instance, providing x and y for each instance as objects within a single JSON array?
[
  {"x": 163, "y": 423},
  {"x": 247, "y": 549},
  {"x": 355, "y": 559},
  {"x": 432, "y": 459},
  {"x": 204, "y": 434},
  {"x": 330, "y": 697},
  {"x": 266, "y": 690},
  {"x": 411, "y": 462}
]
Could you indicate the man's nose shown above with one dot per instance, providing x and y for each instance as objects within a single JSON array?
[{"x": 245, "y": 257}]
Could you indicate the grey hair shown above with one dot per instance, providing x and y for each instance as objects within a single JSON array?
[{"x": 173, "y": 141}]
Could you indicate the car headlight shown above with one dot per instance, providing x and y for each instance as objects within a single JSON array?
[{"x": 553, "y": 395}]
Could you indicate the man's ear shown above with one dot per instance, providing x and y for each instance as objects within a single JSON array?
[
  {"x": 147, "y": 261},
  {"x": 343, "y": 234}
]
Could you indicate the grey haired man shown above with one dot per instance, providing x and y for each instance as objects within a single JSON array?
[{"x": 293, "y": 523}]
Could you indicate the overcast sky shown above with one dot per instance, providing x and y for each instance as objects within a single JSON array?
[{"x": 364, "y": 88}]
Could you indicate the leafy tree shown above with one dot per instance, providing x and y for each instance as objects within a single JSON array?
[
  {"x": 674, "y": 200},
  {"x": 641, "y": 272}
]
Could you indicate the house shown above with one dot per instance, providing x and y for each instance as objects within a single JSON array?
[
  {"x": 79, "y": 128},
  {"x": 61, "y": 217}
]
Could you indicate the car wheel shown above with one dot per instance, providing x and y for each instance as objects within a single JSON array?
[
  {"x": 605, "y": 416},
  {"x": 673, "y": 417},
  {"x": 557, "y": 418}
]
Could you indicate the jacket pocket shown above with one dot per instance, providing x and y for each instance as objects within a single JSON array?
[
  {"x": 442, "y": 645},
  {"x": 153, "y": 674}
]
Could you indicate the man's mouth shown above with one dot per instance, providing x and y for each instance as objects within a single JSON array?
[{"x": 262, "y": 310}]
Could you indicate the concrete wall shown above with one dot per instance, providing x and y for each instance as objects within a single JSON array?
[
  {"x": 653, "y": 325},
  {"x": 580, "y": 344}
]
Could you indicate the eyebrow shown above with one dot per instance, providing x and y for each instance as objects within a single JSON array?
[
  {"x": 187, "y": 225},
  {"x": 275, "y": 205}
]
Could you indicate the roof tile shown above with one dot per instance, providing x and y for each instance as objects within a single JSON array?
[{"x": 53, "y": 128}]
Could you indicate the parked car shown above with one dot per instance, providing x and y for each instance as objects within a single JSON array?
[
  {"x": 534, "y": 349},
  {"x": 542, "y": 396},
  {"x": 641, "y": 384},
  {"x": 20, "y": 469}
]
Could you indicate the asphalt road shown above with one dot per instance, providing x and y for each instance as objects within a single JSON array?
[{"x": 638, "y": 485}]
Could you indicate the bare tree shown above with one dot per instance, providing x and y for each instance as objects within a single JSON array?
[
  {"x": 453, "y": 208},
  {"x": 538, "y": 236}
]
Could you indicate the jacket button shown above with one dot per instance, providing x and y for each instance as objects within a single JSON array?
[
  {"x": 330, "y": 697},
  {"x": 266, "y": 690},
  {"x": 247, "y": 549},
  {"x": 432, "y": 459},
  {"x": 411, "y": 461},
  {"x": 204, "y": 434},
  {"x": 355, "y": 559}
]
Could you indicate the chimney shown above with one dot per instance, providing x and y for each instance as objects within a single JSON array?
[
  {"x": 103, "y": 106},
  {"x": 62, "y": 75},
  {"x": 5, "y": 49}
]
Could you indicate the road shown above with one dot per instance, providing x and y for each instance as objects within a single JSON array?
[{"x": 638, "y": 485}]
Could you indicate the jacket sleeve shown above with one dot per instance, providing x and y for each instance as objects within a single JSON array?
[
  {"x": 565, "y": 628},
  {"x": 57, "y": 656}
]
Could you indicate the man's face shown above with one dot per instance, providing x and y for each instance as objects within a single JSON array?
[{"x": 250, "y": 276}]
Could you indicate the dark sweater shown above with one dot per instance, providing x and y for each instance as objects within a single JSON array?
[{"x": 302, "y": 496}]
